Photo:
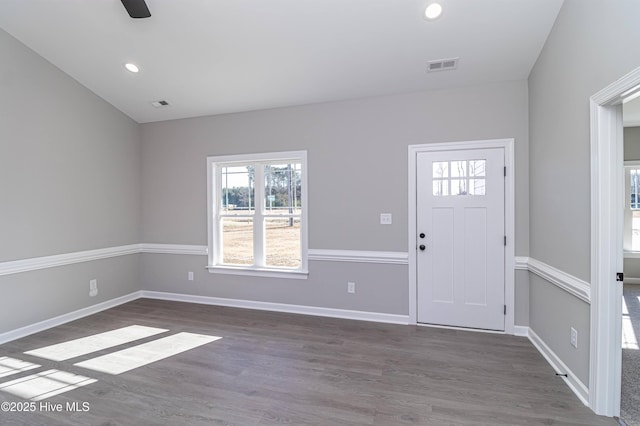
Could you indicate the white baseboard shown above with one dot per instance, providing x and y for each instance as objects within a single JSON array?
[
  {"x": 634, "y": 281},
  {"x": 65, "y": 318},
  {"x": 280, "y": 307},
  {"x": 581, "y": 391},
  {"x": 521, "y": 330}
]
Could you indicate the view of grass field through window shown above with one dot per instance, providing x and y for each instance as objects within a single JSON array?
[{"x": 279, "y": 222}]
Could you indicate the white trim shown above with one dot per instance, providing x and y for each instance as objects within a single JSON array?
[
  {"x": 453, "y": 327},
  {"x": 259, "y": 272},
  {"x": 521, "y": 330},
  {"x": 217, "y": 301},
  {"x": 322, "y": 255},
  {"x": 573, "y": 285},
  {"x": 632, "y": 254},
  {"x": 632, "y": 281},
  {"x": 567, "y": 282},
  {"x": 198, "y": 250},
  {"x": 65, "y": 318},
  {"x": 360, "y": 256},
  {"x": 280, "y": 307},
  {"x": 518, "y": 330},
  {"x": 35, "y": 263},
  {"x": 521, "y": 263},
  {"x": 605, "y": 356},
  {"x": 509, "y": 219},
  {"x": 581, "y": 391}
]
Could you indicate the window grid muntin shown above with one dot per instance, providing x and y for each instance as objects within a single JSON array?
[
  {"x": 259, "y": 216},
  {"x": 455, "y": 177}
]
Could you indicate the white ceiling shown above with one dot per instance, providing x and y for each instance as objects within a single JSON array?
[{"x": 220, "y": 56}]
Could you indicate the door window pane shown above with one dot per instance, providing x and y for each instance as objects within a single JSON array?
[
  {"x": 458, "y": 169},
  {"x": 282, "y": 242},
  {"x": 476, "y": 187},
  {"x": 440, "y": 188},
  {"x": 458, "y": 187},
  {"x": 237, "y": 241},
  {"x": 440, "y": 169},
  {"x": 477, "y": 167},
  {"x": 461, "y": 177}
]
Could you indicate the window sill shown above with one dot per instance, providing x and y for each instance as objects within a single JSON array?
[{"x": 259, "y": 272}]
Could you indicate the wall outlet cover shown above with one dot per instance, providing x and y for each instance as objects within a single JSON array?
[{"x": 93, "y": 288}]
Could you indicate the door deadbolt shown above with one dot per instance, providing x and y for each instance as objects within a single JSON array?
[
  {"x": 422, "y": 235},
  {"x": 422, "y": 247}
]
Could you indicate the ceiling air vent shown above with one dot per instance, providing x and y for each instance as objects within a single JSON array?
[
  {"x": 442, "y": 65},
  {"x": 160, "y": 104}
]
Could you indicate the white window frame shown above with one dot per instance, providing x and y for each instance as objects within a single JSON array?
[
  {"x": 628, "y": 211},
  {"x": 214, "y": 165}
]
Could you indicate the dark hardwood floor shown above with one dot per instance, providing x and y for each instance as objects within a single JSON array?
[{"x": 274, "y": 368}]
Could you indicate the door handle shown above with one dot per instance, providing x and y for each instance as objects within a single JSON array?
[{"x": 422, "y": 247}]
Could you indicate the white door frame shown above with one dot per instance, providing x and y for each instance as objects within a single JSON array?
[
  {"x": 509, "y": 218},
  {"x": 607, "y": 203}
]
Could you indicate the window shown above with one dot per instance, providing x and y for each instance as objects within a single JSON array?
[
  {"x": 257, "y": 214},
  {"x": 632, "y": 206},
  {"x": 459, "y": 177}
]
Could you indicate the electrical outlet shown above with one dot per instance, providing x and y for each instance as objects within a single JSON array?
[
  {"x": 574, "y": 337},
  {"x": 190, "y": 275},
  {"x": 351, "y": 287},
  {"x": 93, "y": 287},
  {"x": 386, "y": 219}
]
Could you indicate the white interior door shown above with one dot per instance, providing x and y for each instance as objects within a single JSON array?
[{"x": 461, "y": 238}]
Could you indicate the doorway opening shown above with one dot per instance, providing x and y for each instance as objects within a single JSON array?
[
  {"x": 607, "y": 224},
  {"x": 630, "y": 367}
]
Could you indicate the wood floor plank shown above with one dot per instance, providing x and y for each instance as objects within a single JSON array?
[{"x": 277, "y": 368}]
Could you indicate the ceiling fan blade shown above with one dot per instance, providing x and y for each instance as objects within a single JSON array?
[{"x": 136, "y": 8}]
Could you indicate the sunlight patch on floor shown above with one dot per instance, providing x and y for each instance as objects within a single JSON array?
[
  {"x": 629, "y": 340},
  {"x": 146, "y": 353},
  {"x": 96, "y": 342},
  {"x": 9, "y": 366},
  {"x": 46, "y": 384},
  {"x": 39, "y": 386}
]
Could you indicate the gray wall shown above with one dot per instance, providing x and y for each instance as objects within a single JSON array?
[
  {"x": 69, "y": 181},
  {"x": 593, "y": 43},
  {"x": 631, "y": 143},
  {"x": 358, "y": 168}
]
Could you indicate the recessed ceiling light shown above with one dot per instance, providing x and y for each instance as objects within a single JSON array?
[
  {"x": 131, "y": 67},
  {"x": 433, "y": 11}
]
